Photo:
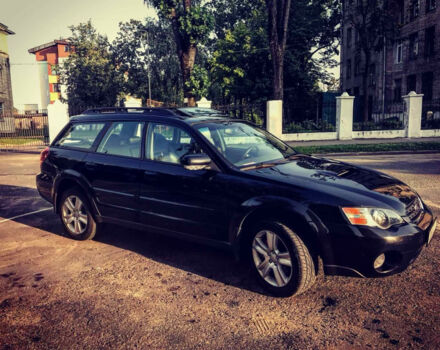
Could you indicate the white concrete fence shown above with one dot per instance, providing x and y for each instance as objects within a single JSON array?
[{"x": 412, "y": 122}]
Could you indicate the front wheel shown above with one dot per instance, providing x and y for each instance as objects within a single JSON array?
[
  {"x": 76, "y": 216},
  {"x": 280, "y": 260}
]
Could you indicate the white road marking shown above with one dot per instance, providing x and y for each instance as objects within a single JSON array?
[{"x": 26, "y": 214}]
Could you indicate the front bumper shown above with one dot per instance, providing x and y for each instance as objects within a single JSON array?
[{"x": 352, "y": 250}]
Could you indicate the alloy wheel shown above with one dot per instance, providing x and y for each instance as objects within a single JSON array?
[
  {"x": 74, "y": 215},
  {"x": 272, "y": 258}
]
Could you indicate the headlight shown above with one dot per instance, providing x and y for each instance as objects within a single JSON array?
[{"x": 373, "y": 217}]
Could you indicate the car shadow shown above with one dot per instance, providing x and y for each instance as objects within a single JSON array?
[{"x": 194, "y": 258}]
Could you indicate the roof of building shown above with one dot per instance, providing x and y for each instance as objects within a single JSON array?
[
  {"x": 50, "y": 44},
  {"x": 5, "y": 29}
]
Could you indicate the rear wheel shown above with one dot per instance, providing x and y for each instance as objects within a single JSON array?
[
  {"x": 280, "y": 260},
  {"x": 76, "y": 216}
]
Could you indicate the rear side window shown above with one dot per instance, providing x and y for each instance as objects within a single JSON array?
[
  {"x": 122, "y": 139},
  {"x": 81, "y": 135}
]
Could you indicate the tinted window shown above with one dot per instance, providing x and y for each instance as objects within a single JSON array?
[
  {"x": 122, "y": 139},
  {"x": 166, "y": 143},
  {"x": 80, "y": 135}
]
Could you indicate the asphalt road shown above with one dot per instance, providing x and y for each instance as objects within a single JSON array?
[{"x": 130, "y": 289}]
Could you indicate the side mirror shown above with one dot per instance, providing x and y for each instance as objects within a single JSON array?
[{"x": 196, "y": 161}]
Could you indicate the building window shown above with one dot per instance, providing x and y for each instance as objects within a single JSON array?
[
  {"x": 401, "y": 13},
  {"x": 413, "y": 46},
  {"x": 414, "y": 9},
  {"x": 411, "y": 83},
  {"x": 56, "y": 88},
  {"x": 397, "y": 90},
  {"x": 349, "y": 36},
  {"x": 1, "y": 109},
  {"x": 429, "y": 41},
  {"x": 427, "y": 85},
  {"x": 399, "y": 51},
  {"x": 430, "y": 5},
  {"x": 348, "y": 75},
  {"x": 372, "y": 75},
  {"x": 357, "y": 66},
  {"x": 66, "y": 48}
]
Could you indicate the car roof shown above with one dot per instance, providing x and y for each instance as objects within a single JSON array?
[{"x": 137, "y": 113}]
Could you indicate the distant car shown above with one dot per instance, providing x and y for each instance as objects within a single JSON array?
[{"x": 230, "y": 184}]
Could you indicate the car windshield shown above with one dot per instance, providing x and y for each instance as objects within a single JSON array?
[{"x": 244, "y": 145}]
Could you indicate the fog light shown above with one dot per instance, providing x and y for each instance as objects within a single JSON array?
[{"x": 380, "y": 260}]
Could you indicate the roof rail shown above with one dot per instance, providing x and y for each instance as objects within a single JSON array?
[{"x": 112, "y": 110}]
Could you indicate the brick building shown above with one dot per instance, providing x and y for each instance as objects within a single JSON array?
[
  {"x": 408, "y": 62},
  {"x": 49, "y": 56},
  {"x": 6, "y": 102}
]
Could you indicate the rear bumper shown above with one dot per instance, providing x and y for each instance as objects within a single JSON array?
[
  {"x": 44, "y": 186},
  {"x": 353, "y": 249}
]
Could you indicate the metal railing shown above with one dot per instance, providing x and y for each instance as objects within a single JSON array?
[
  {"x": 316, "y": 116},
  {"x": 255, "y": 113},
  {"x": 388, "y": 115},
  {"x": 431, "y": 114},
  {"x": 24, "y": 131}
]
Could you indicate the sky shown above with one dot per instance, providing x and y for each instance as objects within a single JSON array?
[{"x": 37, "y": 22}]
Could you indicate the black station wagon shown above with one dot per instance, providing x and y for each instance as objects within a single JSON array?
[{"x": 228, "y": 183}]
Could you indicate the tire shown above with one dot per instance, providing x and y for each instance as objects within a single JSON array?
[
  {"x": 76, "y": 216},
  {"x": 274, "y": 272}
]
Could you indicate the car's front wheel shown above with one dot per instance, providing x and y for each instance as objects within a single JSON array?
[
  {"x": 281, "y": 261},
  {"x": 76, "y": 216}
]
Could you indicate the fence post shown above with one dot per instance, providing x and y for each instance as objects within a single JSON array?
[
  {"x": 344, "y": 116},
  {"x": 58, "y": 117},
  {"x": 274, "y": 115},
  {"x": 413, "y": 114}
]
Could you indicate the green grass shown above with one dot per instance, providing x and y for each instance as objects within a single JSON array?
[
  {"x": 378, "y": 147},
  {"x": 18, "y": 141}
]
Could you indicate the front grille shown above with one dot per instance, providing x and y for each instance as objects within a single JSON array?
[{"x": 414, "y": 210}]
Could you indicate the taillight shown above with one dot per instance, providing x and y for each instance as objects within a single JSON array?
[{"x": 43, "y": 155}]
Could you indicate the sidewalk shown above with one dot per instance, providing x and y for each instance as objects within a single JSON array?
[{"x": 361, "y": 141}]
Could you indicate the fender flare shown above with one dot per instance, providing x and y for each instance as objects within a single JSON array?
[
  {"x": 283, "y": 209},
  {"x": 74, "y": 176}
]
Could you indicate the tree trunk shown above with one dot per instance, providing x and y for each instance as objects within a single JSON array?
[
  {"x": 187, "y": 55},
  {"x": 278, "y": 20},
  {"x": 278, "y": 70}
]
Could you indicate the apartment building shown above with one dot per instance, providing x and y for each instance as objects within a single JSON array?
[
  {"x": 6, "y": 102},
  {"x": 410, "y": 61}
]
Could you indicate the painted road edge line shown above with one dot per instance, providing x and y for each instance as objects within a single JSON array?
[{"x": 26, "y": 214}]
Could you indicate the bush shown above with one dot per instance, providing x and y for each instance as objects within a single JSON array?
[
  {"x": 393, "y": 123},
  {"x": 309, "y": 126}
]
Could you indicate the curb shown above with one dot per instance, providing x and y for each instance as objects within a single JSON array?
[
  {"x": 8, "y": 150},
  {"x": 376, "y": 153}
]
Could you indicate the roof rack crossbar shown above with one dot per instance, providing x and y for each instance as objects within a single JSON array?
[{"x": 145, "y": 110}]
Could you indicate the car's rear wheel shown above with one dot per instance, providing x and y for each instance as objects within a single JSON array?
[
  {"x": 76, "y": 217},
  {"x": 280, "y": 260}
]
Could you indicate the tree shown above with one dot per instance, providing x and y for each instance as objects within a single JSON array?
[
  {"x": 312, "y": 45},
  {"x": 278, "y": 21},
  {"x": 191, "y": 22},
  {"x": 374, "y": 22},
  {"x": 141, "y": 51},
  {"x": 89, "y": 73}
]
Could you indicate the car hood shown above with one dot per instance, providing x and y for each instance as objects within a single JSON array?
[{"x": 339, "y": 179}]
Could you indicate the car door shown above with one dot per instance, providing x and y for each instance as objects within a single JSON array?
[
  {"x": 114, "y": 170},
  {"x": 173, "y": 197}
]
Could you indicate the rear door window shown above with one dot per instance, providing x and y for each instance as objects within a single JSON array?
[
  {"x": 122, "y": 139},
  {"x": 80, "y": 135}
]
